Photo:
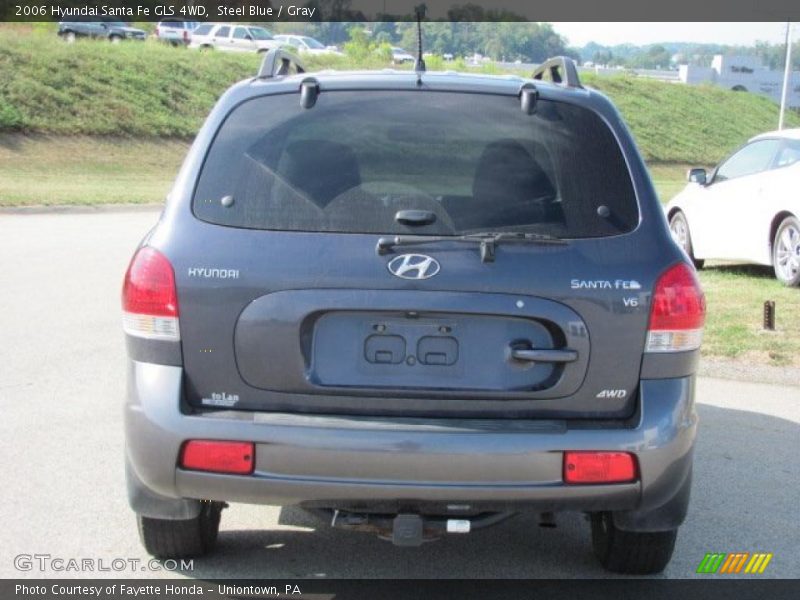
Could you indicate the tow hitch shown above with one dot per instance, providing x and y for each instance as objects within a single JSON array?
[{"x": 408, "y": 529}]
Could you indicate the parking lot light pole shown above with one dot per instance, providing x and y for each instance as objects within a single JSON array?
[{"x": 787, "y": 71}]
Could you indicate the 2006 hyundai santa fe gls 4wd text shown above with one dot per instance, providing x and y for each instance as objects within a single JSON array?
[{"x": 416, "y": 304}]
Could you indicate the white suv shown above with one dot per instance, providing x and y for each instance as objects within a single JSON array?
[{"x": 232, "y": 37}]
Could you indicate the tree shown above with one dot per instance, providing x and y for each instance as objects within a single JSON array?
[
  {"x": 527, "y": 42},
  {"x": 603, "y": 57},
  {"x": 363, "y": 45},
  {"x": 655, "y": 57}
]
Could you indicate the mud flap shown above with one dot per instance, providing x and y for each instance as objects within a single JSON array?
[
  {"x": 147, "y": 503},
  {"x": 666, "y": 517}
]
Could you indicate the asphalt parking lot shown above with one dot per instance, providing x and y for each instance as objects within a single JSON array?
[{"x": 61, "y": 386}]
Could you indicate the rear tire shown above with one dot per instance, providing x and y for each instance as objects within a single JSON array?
[
  {"x": 679, "y": 227},
  {"x": 786, "y": 252},
  {"x": 630, "y": 552},
  {"x": 165, "y": 538}
]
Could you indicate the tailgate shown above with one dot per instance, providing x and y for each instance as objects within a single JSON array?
[
  {"x": 377, "y": 341},
  {"x": 528, "y": 335}
]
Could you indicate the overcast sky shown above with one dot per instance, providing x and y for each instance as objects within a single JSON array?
[{"x": 609, "y": 34}]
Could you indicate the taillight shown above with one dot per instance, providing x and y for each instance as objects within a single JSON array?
[
  {"x": 599, "y": 467},
  {"x": 149, "y": 297},
  {"x": 185, "y": 36},
  {"x": 677, "y": 312},
  {"x": 237, "y": 458}
]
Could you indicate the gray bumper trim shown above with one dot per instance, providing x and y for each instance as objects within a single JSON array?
[{"x": 313, "y": 459}]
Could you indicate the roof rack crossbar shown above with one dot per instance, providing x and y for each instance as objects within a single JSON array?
[
  {"x": 560, "y": 70},
  {"x": 278, "y": 62}
]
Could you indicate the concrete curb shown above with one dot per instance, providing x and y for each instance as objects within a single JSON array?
[
  {"x": 742, "y": 370},
  {"x": 79, "y": 209}
]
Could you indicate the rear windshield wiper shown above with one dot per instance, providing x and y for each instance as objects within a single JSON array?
[{"x": 488, "y": 241}]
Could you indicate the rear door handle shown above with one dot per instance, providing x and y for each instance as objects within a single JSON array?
[{"x": 550, "y": 356}]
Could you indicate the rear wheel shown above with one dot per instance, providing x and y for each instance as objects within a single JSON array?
[
  {"x": 115, "y": 39},
  {"x": 70, "y": 37},
  {"x": 680, "y": 233},
  {"x": 630, "y": 552},
  {"x": 786, "y": 252},
  {"x": 165, "y": 538}
]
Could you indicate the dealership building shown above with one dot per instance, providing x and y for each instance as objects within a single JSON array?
[{"x": 745, "y": 74}]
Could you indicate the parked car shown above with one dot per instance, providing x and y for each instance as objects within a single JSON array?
[
  {"x": 747, "y": 209},
  {"x": 175, "y": 31},
  {"x": 305, "y": 44},
  {"x": 414, "y": 304},
  {"x": 400, "y": 56},
  {"x": 231, "y": 37},
  {"x": 113, "y": 31}
]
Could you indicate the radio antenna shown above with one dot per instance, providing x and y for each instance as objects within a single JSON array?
[{"x": 419, "y": 64}]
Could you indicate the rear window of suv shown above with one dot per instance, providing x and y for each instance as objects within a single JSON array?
[{"x": 473, "y": 162}]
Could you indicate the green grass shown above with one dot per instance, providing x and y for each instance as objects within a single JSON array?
[
  {"x": 675, "y": 123},
  {"x": 92, "y": 123},
  {"x": 95, "y": 88},
  {"x": 149, "y": 89},
  {"x": 735, "y": 296},
  {"x": 41, "y": 169},
  {"x": 150, "y": 92},
  {"x": 54, "y": 170},
  {"x": 86, "y": 170},
  {"x": 668, "y": 179}
]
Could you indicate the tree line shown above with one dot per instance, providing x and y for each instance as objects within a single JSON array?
[{"x": 505, "y": 41}]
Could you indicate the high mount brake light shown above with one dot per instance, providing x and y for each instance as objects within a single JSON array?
[
  {"x": 150, "y": 298},
  {"x": 677, "y": 312}
]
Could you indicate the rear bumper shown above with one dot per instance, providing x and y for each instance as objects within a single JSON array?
[{"x": 390, "y": 463}]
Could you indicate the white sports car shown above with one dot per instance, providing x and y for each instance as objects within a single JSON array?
[{"x": 747, "y": 209}]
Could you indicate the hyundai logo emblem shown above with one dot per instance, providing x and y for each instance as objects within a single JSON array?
[{"x": 413, "y": 266}]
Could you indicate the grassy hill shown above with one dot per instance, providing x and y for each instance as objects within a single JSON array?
[
  {"x": 689, "y": 124},
  {"x": 150, "y": 90},
  {"x": 91, "y": 124}
]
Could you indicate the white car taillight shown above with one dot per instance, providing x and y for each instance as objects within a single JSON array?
[
  {"x": 677, "y": 312},
  {"x": 150, "y": 298}
]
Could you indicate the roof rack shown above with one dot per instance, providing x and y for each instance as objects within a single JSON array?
[
  {"x": 561, "y": 70},
  {"x": 278, "y": 62}
]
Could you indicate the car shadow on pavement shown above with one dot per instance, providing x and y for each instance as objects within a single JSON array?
[
  {"x": 760, "y": 271},
  {"x": 516, "y": 548},
  {"x": 746, "y": 484}
]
